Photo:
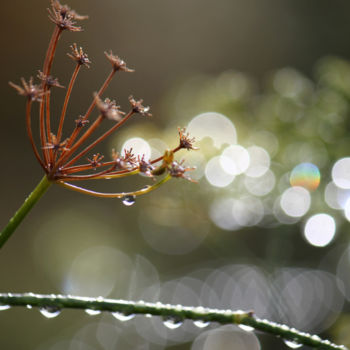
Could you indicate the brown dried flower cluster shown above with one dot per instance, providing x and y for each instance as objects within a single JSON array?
[{"x": 59, "y": 156}]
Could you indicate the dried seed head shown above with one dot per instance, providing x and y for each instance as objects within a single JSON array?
[
  {"x": 120, "y": 162},
  {"x": 186, "y": 141},
  {"x": 109, "y": 109},
  {"x": 31, "y": 91},
  {"x": 145, "y": 166},
  {"x": 64, "y": 17},
  {"x": 49, "y": 80},
  {"x": 137, "y": 107},
  {"x": 96, "y": 160},
  {"x": 55, "y": 145},
  {"x": 117, "y": 63},
  {"x": 79, "y": 56},
  {"x": 80, "y": 122},
  {"x": 129, "y": 157},
  {"x": 177, "y": 170}
]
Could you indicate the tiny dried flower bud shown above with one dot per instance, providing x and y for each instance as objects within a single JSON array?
[
  {"x": 177, "y": 170},
  {"x": 96, "y": 160},
  {"x": 121, "y": 164},
  {"x": 80, "y": 122},
  {"x": 79, "y": 56},
  {"x": 117, "y": 62},
  {"x": 64, "y": 17},
  {"x": 137, "y": 107},
  {"x": 49, "y": 80},
  {"x": 186, "y": 141},
  {"x": 31, "y": 91},
  {"x": 145, "y": 166},
  {"x": 129, "y": 157},
  {"x": 64, "y": 10},
  {"x": 55, "y": 145},
  {"x": 109, "y": 109}
]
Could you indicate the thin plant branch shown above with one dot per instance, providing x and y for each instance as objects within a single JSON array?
[
  {"x": 20, "y": 214},
  {"x": 176, "y": 313}
]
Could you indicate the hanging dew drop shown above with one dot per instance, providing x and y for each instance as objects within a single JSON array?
[
  {"x": 92, "y": 312},
  {"x": 246, "y": 328},
  {"x": 128, "y": 200},
  {"x": 121, "y": 316},
  {"x": 172, "y": 323},
  {"x": 292, "y": 344},
  {"x": 50, "y": 311},
  {"x": 201, "y": 323},
  {"x": 4, "y": 307}
]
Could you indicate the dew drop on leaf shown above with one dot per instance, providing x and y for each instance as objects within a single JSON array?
[
  {"x": 92, "y": 312},
  {"x": 172, "y": 323},
  {"x": 4, "y": 307},
  {"x": 292, "y": 344},
  {"x": 128, "y": 200},
  {"x": 201, "y": 323},
  {"x": 121, "y": 316},
  {"x": 50, "y": 311}
]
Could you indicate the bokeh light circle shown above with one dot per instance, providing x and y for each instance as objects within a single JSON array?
[
  {"x": 259, "y": 161},
  {"x": 260, "y": 186},
  {"x": 305, "y": 175},
  {"x": 237, "y": 159},
  {"x": 295, "y": 201},
  {"x": 140, "y": 147},
  {"x": 215, "y": 126},
  {"x": 341, "y": 173},
  {"x": 320, "y": 230},
  {"x": 215, "y": 173}
]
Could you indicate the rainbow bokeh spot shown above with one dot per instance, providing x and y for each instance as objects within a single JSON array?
[{"x": 306, "y": 175}]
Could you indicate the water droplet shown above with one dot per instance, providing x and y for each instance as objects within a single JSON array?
[
  {"x": 50, "y": 311},
  {"x": 246, "y": 328},
  {"x": 121, "y": 316},
  {"x": 29, "y": 306},
  {"x": 92, "y": 312},
  {"x": 292, "y": 344},
  {"x": 172, "y": 323},
  {"x": 201, "y": 323},
  {"x": 4, "y": 307},
  {"x": 128, "y": 200}
]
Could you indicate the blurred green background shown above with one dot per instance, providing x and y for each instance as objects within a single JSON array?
[{"x": 266, "y": 227}]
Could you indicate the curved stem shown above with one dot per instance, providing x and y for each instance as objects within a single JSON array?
[
  {"x": 28, "y": 204},
  {"x": 144, "y": 190},
  {"x": 175, "y": 312}
]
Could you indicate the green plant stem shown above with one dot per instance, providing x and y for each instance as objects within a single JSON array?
[
  {"x": 28, "y": 204},
  {"x": 178, "y": 313}
]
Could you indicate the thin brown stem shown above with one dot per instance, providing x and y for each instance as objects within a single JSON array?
[
  {"x": 86, "y": 135},
  {"x": 48, "y": 124},
  {"x": 50, "y": 53},
  {"x": 90, "y": 176},
  {"x": 77, "y": 129},
  {"x": 84, "y": 167},
  {"x": 30, "y": 134},
  {"x": 101, "y": 138},
  {"x": 42, "y": 131},
  {"x": 49, "y": 49},
  {"x": 66, "y": 100}
]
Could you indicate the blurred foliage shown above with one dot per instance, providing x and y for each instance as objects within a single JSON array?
[{"x": 219, "y": 245}]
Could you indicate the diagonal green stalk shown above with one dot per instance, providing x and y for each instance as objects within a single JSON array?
[
  {"x": 167, "y": 311},
  {"x": 20, "y": 214}
]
